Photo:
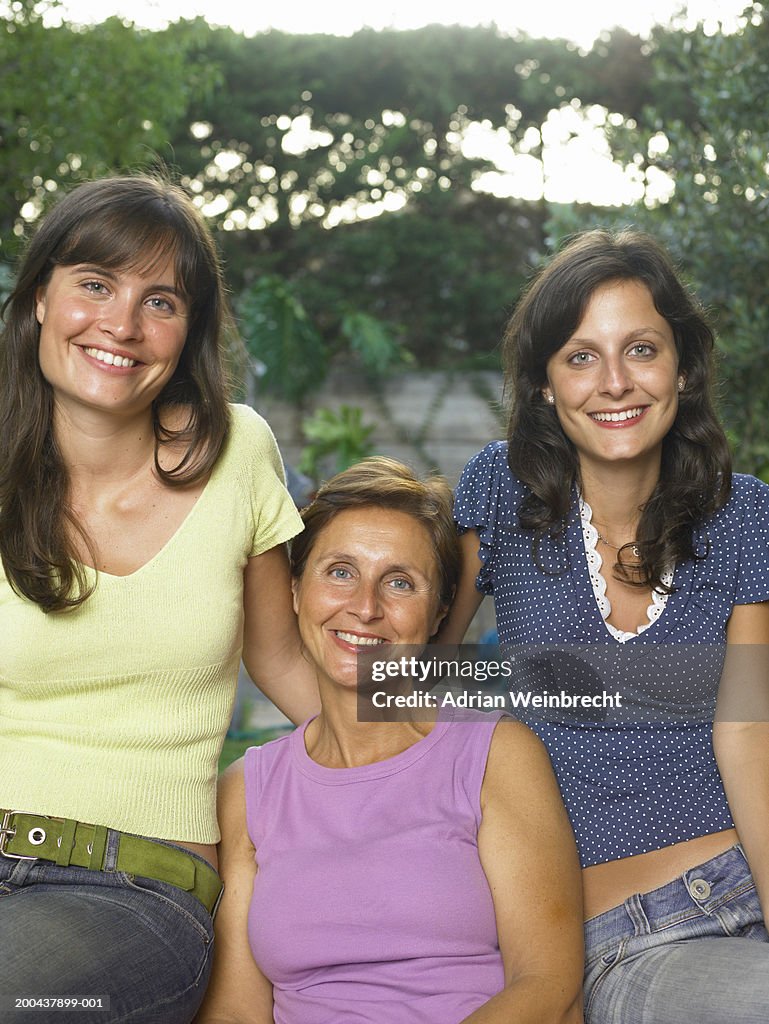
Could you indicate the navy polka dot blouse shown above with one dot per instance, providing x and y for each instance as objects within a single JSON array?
[{"x": 644, "y": 777}]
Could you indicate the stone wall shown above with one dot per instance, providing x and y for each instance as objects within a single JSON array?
[{"x": 432, "y": 420}]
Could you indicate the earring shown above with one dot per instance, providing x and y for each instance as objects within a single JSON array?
[
  {"x": 551, "y": 399},
  {"x": 681, "y": 383}
]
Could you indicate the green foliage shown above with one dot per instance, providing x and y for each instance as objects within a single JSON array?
[
  {"x": 77, "y": 103},
  {"x": 278, "y": 333},
  {"x": 6, "y": 282},
  {"x": 385, "y": 111},
  {"x": 338, "y": 164},
  {"x": 337, "y": 438},
  {"x": 373, "y": 341},
  {"x": 445, "y": 271},
  {"x": 720, "y": 212}
]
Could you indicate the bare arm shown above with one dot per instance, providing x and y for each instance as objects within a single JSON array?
[
  {"x": 272, "y": 650},
  {"x": 529, "y": 855},
  {"x": 238, "y": 992},
  {"x": 741, "y": 736},
  {"x": 467, "y": 599}
]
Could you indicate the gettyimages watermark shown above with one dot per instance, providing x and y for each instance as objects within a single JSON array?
[
  {"x": 423, "y": 672},
  {"x": 615, "y": 684}
]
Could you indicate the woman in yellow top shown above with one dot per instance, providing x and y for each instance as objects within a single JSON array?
[{"x": 142, "y": 530}]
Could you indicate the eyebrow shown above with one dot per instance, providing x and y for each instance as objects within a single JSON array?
[
  {"x": 94, "y": 268},
  {"x": 638, "y": 332},
  {"x": 340, "y": 556}
]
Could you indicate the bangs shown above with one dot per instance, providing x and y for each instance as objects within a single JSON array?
[
  {"x": 135, "y": 225},
  {"x": 136, "y": 243}
]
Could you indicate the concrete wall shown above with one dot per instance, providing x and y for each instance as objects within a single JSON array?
[{"x": 432, "y": 420}]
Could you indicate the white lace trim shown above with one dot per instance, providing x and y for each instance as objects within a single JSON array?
[{"x": 595, "y": 564}]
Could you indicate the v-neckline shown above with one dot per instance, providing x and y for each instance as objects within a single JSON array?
[
  {"x": 583, "y": 593},
  {"x": 655, "y": 609},
  {"x": 180, "y": 530}
]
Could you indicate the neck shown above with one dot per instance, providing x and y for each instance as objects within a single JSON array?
[
  {"x": 336, "y": 739},
  {"x": 102, "y": 448},
  {"x": 617, "y": 496}
]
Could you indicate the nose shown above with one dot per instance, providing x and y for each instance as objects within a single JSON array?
[
  {"x": 122, "y": 319},
  {"x": 366, "y": 603},
  {"x": 614, "y": 379}
]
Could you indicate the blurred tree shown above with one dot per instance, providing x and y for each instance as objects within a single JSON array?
[
  {"x": 290, "y": 357},
  {"x": 77, "y": 103},
  {"x": 341, "y": 165},
  {"x": 446, "y": 271},
  {"x": 280, "y": 336},
  {"x": 327, "y": 130},
  {"x": 374, "y": 342}
]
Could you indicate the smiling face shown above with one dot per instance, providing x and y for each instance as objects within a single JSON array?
[
  {"x": 370, "y": 579},
  {"x": 110, "y": 339},
  {"x": 615, "y": 380}
]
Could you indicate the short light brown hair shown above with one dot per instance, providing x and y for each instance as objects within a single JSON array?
[{"x": 381, "y": 482}]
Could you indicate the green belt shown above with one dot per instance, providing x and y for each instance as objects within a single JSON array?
[{"x": 33, "y": 836}]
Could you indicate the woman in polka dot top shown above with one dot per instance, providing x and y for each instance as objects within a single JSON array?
[{"x": 630, "y": 574}]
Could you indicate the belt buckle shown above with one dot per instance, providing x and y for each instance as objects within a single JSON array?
[{"x": 7, "y": 832}]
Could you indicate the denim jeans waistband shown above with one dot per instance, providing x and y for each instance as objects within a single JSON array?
[{"x": 702, "y": 888}]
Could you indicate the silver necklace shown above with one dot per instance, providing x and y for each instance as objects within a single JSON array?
[{"x": 608, "y": 543}]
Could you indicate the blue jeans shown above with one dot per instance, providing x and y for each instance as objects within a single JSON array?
[
  {"x": 69, "y": 931},
  {"x": 696, "y": 949}
]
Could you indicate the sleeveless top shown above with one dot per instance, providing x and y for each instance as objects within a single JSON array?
[
  {"x": 644, "y": 777},
  {"x": 370, "y": 903}
]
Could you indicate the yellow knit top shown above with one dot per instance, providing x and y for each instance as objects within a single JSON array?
[{"x": 114, "y": 713}]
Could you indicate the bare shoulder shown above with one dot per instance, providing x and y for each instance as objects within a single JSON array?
[
  {"x": 518, "y": 762},
  {"x": 749, "y": 624},
  {"x": 515, "y": 743}
]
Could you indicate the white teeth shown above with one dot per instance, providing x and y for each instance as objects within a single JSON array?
[
  {"x": 109, "y": 358},
  {"x": 360, "y": 641},
  {"x": 617, "y": 417}
]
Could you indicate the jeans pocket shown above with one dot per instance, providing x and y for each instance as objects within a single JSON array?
[
  {"x": 599, "y": 971},
  {"x": 172, "y": 906}
]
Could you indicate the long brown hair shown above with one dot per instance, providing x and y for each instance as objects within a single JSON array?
[
  {"x": 122, "y": 222},
  {"x": 695, "y": 478}
]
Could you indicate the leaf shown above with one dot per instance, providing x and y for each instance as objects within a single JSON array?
[
  {"x": 373, "y": 341},
  {"x": 277, "y": 331},
  {"x": 336, "y": 436}
]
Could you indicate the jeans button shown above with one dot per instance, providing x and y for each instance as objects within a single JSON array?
[{"x": 699, "y": 889}]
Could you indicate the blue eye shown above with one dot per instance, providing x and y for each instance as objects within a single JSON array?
[
  {"x": 581, "y": 358},
  {"x": 340, "y": 573},
  {"x": 96, "y": 287},
  {"x": 400, "y": 584}
]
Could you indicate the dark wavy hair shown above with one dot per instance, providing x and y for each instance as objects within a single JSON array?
[
  {"x": 381, "y": 482},
  {"x": 695, "y": 477},
  {"x": 125, "y": 223}
]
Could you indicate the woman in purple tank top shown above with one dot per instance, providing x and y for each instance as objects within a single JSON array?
[{"x": 395, "y": 871}]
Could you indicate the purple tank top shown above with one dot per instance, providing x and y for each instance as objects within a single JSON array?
[{"x": 370, "y": 905}]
